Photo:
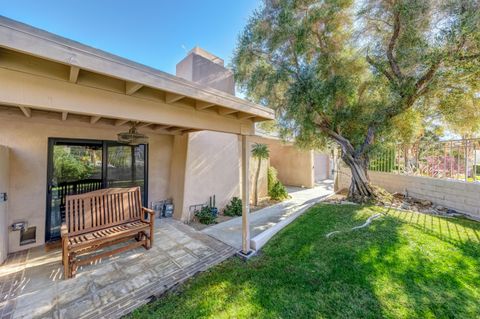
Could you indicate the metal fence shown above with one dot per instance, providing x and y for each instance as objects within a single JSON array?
[{"x": 455, "y": 159}]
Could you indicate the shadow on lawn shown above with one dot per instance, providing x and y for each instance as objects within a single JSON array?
[{"x": 394, "y": 268}]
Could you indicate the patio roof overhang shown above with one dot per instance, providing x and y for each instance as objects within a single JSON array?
[{"x": 45, "y": 75}]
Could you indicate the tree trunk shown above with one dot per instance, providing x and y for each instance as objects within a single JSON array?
[
  {"x": 360, "y": 188},
  {"x": 357, "y": 160},
  {"x": 257, "y": 176}
]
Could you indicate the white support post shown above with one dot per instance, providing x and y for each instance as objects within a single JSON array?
[{"x": 245, "y": 195}]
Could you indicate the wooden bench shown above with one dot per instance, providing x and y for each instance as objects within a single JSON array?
[{"x": 103, "y": 218}]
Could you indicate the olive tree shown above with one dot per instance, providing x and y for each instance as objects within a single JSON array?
[{"x": 343, "y": 71}]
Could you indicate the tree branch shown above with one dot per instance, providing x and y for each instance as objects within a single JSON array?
[
  {"x": 368, "y": 140},
  {"x": 469, "y": 57},
  {"x": 380, "y": 69},
  {"x": 344, "y": 143},
  {"x": 423, "y": 82},
  {"x": 391, "y": 46}
]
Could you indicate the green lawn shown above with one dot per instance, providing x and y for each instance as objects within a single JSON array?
[{"x": 405, "y": 265}]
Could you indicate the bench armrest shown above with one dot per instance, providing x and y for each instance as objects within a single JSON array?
[
  {"x": 150, "y": 212},
  {"x": 64, "y": 230}
]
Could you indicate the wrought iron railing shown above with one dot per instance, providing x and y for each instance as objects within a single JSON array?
[{"x": 453, "y": 159}]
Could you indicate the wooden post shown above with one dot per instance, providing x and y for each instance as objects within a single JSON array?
[{"x": 245, "y": 195}]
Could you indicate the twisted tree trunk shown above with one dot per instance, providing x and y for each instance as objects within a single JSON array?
[
  {"x": 357, "y": 160},
  {"x": 360, "y": 188}
]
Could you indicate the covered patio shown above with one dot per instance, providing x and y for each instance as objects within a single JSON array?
[
  {"x": 32, "y": 283},
  {"x": 55, "y": 89}
]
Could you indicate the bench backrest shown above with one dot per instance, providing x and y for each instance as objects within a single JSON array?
[{"x": 101, "y": 209}]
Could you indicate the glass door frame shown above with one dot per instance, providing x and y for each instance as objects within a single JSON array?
[{"x": 52, "y": 141}]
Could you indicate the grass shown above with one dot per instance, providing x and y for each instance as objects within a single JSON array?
[{"x": 405, "y": 265}]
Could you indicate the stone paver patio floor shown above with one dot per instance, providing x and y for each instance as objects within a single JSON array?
[{"x": 32, "y": 284}]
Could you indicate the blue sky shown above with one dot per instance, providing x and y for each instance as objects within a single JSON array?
[{"x": 155, "y": 33}]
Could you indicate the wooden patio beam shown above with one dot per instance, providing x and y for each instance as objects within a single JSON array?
[
  {"x": 64, "y": 116},
  {"x": 159, "y": 127},
  {"x": 132, "y": 87},
  {"x": 176, "y": 129},
  {"x": 201, "y": 105},
  {"x": 244, "y": 116},
  {"x": 121, "y": 122},
  {"x": 74, "y": 71},
  {"x": 172, "y": 97},
  {"x": 26, "y": 111},
  {"x": 227, "y": 111},
  {"x": 94, "y": 119},
  {"x": 144, "y": 125}
]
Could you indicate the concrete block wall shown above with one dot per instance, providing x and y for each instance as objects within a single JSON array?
[{"x": 461, "y": 196}]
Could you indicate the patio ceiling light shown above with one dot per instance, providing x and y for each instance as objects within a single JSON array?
[{"x": 132, "y": 137}]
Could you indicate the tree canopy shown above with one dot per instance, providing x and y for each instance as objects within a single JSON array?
[{"x": 347, "y": 71}]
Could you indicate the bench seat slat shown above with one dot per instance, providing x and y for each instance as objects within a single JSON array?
[{"x": 105, "y": 234}]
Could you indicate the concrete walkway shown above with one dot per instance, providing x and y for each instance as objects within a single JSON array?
[{"x": 230, "y": 232}]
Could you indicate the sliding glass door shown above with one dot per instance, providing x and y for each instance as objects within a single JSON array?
[
  {"x": 80, "y": 166},
  {"x": 126, "y": 166}
]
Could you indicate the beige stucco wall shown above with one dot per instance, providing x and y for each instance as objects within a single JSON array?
[
  {"x": 4, "y": 185},
  {"x": 212, "y": 169},
  {"x": 458, "y": 195},
  {"x": 295, "y": 166},
  {"x": 321, "y": 166},
  {"x": 177, "y": 174},
  {"x": 28, "y": 143}
]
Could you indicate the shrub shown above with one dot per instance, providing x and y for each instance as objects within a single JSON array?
[
  {"x": 70, "y": 166},
  {"x": 205, "y": 215},
  {"x": 276, "y": 190},
  {"x": 234, "y": 208},
  {"x": 271, "y": 178}
]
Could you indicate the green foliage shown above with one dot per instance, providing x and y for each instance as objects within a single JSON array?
[
  {"x": 271, "y": 177},
  {"x": 459, "y": 107},
  {"x": 276, "y": 190},
  {"x": 234, "y": 208},
  {"x": 348, "y": 72},
  {"x": 205, "y": 215},
  {"x": 70, "y": 167},
  {"x": 260, "y": 151},
  {"x": 404, "y": 265}
]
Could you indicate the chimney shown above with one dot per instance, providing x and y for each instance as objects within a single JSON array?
[{"x": 204, "y": 68}]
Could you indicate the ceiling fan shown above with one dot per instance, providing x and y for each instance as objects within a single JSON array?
[{"x": 132, "y": 137}]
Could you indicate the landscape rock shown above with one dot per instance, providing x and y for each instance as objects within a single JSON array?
[
  {"x": 346, "y": 202},
  {"x": 425, "y": 202}
]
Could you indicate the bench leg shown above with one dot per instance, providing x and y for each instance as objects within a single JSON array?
[
  {"x": 66, "y": 260},
  {"x": 144, "y": 238},
  {"x": 138, "y": 237},
  {"x": 73, "y": 265},
  {"x": 152, "y": 232}
]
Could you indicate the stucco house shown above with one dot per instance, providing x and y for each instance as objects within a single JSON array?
[
  {"x": 62, "y": 102},
  {"x": 59, "y": 97}
]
